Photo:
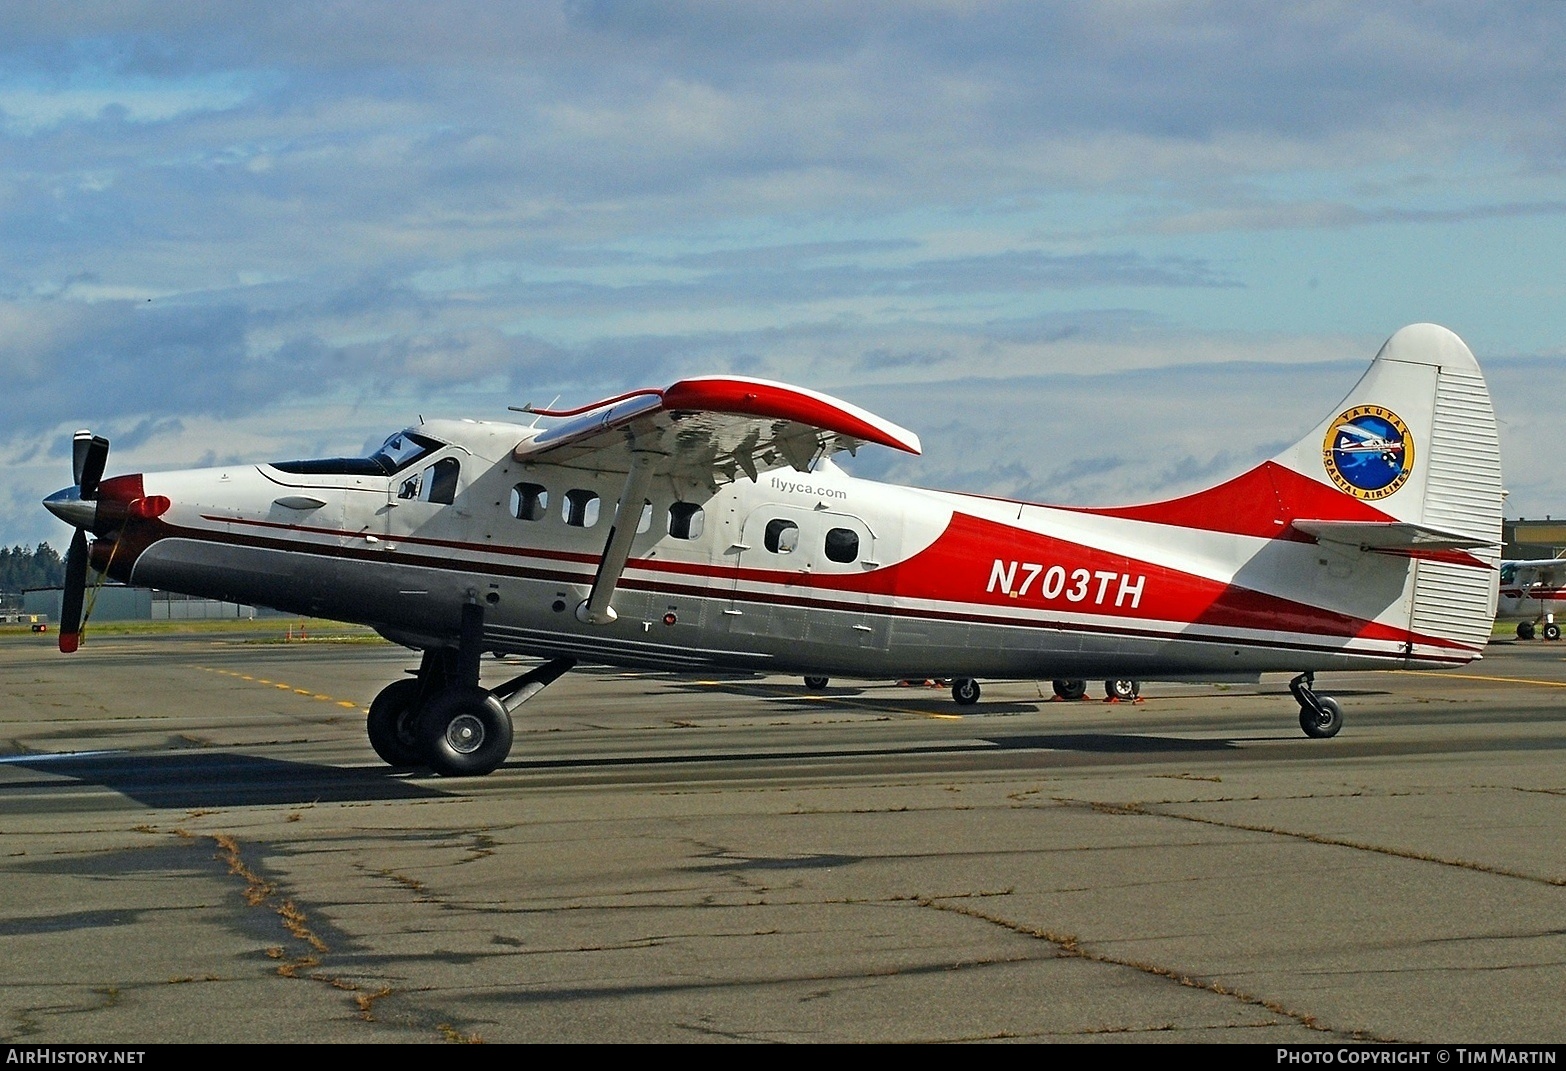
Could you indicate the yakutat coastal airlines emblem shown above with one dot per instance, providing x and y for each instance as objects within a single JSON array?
[{"x": 1368, "y": 451}]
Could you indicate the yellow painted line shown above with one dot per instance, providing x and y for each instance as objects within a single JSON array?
[
  {"x": 1481, "y": 677},
  {"x": 345, "y": 703}
]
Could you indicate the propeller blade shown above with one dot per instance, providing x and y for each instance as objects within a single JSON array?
[
  {"x": 75, "y": 592},
  {"x": 89, "y": 454}
]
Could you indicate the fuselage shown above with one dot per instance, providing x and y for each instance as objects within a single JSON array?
[{"x": 803, "y": 572}]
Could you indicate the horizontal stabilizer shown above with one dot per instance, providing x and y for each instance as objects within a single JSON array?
[{"x": 1391, "y": 536}]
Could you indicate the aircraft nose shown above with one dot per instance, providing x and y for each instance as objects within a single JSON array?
[{"x": 67, "y": 505}]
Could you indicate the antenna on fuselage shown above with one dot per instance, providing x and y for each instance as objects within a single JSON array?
[{"x": 528, "y": 408}]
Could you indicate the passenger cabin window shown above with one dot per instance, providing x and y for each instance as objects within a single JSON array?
[
  {"x": 842, "y": 545},
  {"x": 644, "y": 522},
  {"x": 579, "y": 508},
  {"x": 1508, "y": 574},
  {"x": 529, "y": 502},
  {"x": 781, "y": 537},
  {"x": 685, "y": 520}
]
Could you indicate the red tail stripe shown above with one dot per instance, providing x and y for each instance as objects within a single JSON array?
[{"x": 1255, "y": 503}]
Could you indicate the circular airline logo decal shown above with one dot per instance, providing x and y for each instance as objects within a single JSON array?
[{"x": 1368, "y": 451}]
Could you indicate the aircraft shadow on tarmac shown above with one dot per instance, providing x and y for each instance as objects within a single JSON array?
[
  {"x": 195, "y": 781},
  {"x": 207, "y": 779}
]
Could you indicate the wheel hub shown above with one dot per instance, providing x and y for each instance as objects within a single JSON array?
[{"x": 465, "y": 734}]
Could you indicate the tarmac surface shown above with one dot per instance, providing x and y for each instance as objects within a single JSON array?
[{"x": 198, "y": 845}]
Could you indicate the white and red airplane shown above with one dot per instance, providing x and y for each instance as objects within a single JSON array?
[
  {"x": 1532, "y": 593},
  {"x": 704, "y": 526}
]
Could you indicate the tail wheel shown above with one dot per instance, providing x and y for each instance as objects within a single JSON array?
[
  {"x": 1069, "y": 689},
  {"x": 393, "y": 723},
  {"x": 1324, "y": 723},
  {"x": 465, "y": 732},
  {"x": 965, "y": 690}
]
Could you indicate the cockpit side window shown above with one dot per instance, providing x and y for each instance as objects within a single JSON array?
[{"x": 440, "y": 481}]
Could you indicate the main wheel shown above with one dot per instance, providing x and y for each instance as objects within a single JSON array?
[
  {"x": 816, "y": 684},
  {"x": 1525, "y": 630},
  {"x": 392, "y": 724},
  {"x": 1552, "y": 631},
  {"x": 1069, "y": 689},
  {"x": 1325, "y": 724},
  {"x": 965, "y": 690},
  {"x": 465, "y": 732},
  {"x": 1125, "y": 691}
]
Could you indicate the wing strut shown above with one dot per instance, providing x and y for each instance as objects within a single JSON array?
[{"x": 617, "y": 548}]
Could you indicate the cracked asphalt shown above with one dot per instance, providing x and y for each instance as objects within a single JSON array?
[{"x": 198, "y": 845}]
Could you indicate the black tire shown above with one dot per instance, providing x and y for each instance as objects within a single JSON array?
[
  {"x": 1525, "y": 630},
  {"x": 465, "y": 732},
  {"x": 1325, "y": 724},
  {"x": 816, "y": 684},
  {"x": 1552, "y": 631},
  {"x": 392, "y": 724},
  {"x": 1069, "y": 689},
  {"x": 965, "y": 690},
  {"x": 1123, "y": 690}
]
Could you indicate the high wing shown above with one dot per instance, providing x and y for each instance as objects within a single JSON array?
[
  {"x": 711, "y": 428},
  {"x": 1548, "y": 572},
  {"x": 704, "y": 432}
]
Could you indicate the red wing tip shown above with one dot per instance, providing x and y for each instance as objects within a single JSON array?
[{"x": 69, "y": 641}]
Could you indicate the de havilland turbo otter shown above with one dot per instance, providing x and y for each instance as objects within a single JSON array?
[{"x": 704, "y": 526}]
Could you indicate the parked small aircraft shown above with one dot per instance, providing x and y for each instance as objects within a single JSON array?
[
  {"x": 1532, "y": 593},
  {"x": 704, "y": 525}
]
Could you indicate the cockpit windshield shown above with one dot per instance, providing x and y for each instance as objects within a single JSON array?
[{"x": 396, "y": 453}]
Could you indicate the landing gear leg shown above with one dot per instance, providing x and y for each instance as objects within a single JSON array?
[
  {"x": 465, "y": 730},
  {"x": 1320, "y": 715}
]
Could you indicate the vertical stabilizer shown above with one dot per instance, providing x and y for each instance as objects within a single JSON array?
[{"x": 1414, "y": 445}]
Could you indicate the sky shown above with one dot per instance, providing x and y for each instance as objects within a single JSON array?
[{"x": 1092, "y": 252}]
